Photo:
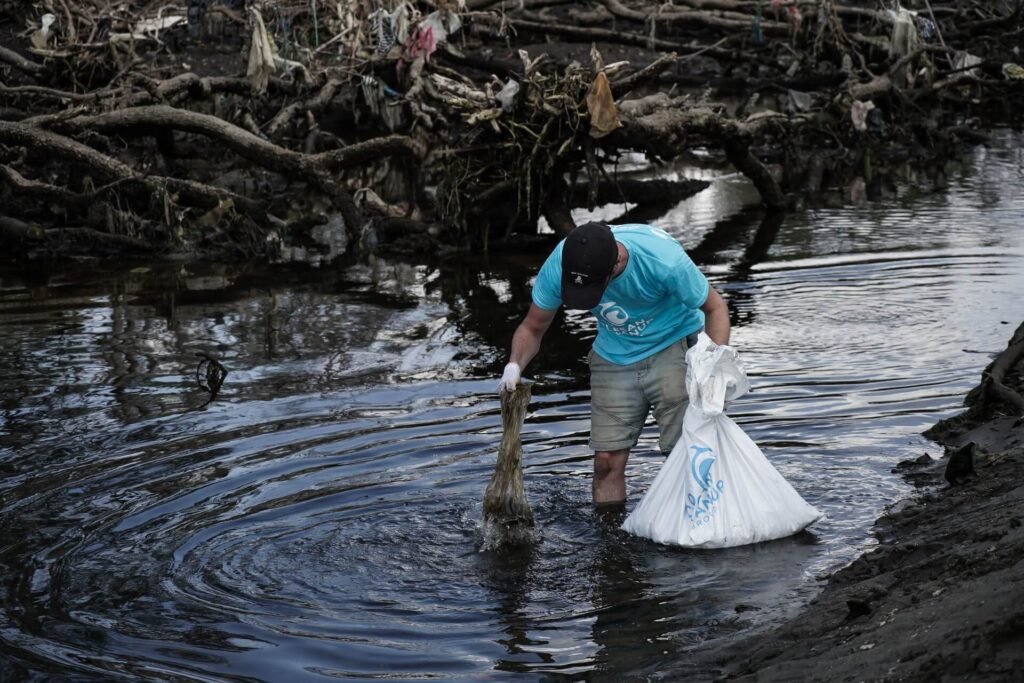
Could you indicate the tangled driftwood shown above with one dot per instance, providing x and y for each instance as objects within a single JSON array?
[{"x": 414, "y": 123}]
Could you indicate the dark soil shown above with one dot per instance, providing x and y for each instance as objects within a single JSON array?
[{"x": 942, "y": 596}]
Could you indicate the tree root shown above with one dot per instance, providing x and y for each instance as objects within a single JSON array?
[{"x": 994, "y": 378}]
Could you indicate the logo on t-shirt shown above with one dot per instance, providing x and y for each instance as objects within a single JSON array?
[
  {"x": 614, "y": 314},
  {"x": 617, "y": 320}
]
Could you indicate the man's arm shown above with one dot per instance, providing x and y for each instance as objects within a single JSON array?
[
  {"x": 716, "y": 317},
  {"x": 526, "y": 340}
]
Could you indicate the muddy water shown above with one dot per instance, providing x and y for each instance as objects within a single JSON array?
[{"x": 320, "y": 518}]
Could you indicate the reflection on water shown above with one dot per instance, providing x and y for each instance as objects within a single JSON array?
[{"x": 320, "y": 518}]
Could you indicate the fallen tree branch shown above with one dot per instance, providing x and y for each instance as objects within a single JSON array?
[
  {"x": 61, "y": 147},
  {"x": 808, "y": 6},
  {"x": 34, "y": 69},
  {"x": 718, "y": 19},
  {"x": 17, "y": 230},
  {"x": 644, "y": 75},
  {"x": 661, "y": 125},
  {"x": 995, "y": 377},
  {"x": 314, "y": 105},
  {"x": 584, "y": 33},
  {"x": 56, "y": 94},
  {"x": 971, "y": 28},
  {"x": 510, "y": 5},
  {"x": 737, "y": 150},
  {"x": 94, "y": 237},
  {"x": 368, "y": 150},
  {"x": 315, "y": 169},
  {"x": 44, "y": 191},
  {"x": 241, "y": 141},
  {"x": 53, "y": 145},
  {"x": 189, "y": 85},
  {"x": 635, "y": 191}
]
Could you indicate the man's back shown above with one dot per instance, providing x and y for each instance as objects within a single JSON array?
[{"x": 654, "y": 302}]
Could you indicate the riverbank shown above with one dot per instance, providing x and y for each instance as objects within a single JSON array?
[{"x": 942, "y": 595}]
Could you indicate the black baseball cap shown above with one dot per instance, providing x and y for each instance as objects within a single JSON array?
[{"x": 588, "y": 259}]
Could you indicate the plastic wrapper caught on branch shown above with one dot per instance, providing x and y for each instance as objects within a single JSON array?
[
  {"x": 441, "y": 24},
  {"x": 433, "y": 30},
  {"x": 261, "y": 55},
  {"x": 383, "y": 32},
  {"x": 904, "y": 38},
  {"x": 383, "y": 101},
  {"x": 507, "y": 95},
  {"x": 967, "y": 63},
  {"x": 859, "y": 114},
  {"x": 604, "y": 116},
  {"x": 41, "y": 37}
]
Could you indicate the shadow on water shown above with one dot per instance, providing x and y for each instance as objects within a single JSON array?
[{"x": 319, "y": 518}]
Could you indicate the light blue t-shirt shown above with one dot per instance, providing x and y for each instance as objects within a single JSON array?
[{"x": 649, "y": 306}]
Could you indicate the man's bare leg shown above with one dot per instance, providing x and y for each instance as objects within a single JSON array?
[{"x": 610, "y": 477}]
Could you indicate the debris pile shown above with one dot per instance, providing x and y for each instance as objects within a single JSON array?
[{"x": 241, "y": 128}]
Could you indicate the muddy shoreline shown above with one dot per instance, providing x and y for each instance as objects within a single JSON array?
[{"x": 942, "y": 596}]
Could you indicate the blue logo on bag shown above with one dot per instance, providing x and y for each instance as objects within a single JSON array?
[
  {"x": 702, "y": 508},
  {"x": 701, "y": 465}
]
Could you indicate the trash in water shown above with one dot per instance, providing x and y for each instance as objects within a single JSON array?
[{"x": 507, "y": 516}]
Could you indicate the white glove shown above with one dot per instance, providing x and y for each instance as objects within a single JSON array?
[{"x": 509, "y": 378}]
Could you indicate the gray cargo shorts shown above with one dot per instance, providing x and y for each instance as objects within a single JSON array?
[{"x": 621, "y": 397}]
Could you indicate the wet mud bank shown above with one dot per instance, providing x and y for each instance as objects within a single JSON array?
[{"x": 942, "y": 595}]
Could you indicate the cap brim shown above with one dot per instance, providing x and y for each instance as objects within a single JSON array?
[{"x": 582, "y": 298}]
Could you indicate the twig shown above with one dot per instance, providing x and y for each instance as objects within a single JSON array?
[
  {"x": 17, "y": 61},
  {"x": 938, "y": 32},
  {"x": 59, "y": 94}
]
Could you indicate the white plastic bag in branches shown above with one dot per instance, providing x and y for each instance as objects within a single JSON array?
[{"x": 717, "y": 489}]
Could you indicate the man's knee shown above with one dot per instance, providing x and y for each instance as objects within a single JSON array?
[{"x": 610, "y": 463}]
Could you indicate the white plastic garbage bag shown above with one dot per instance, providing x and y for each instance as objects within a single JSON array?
[{"x": 717, "y": 489}]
